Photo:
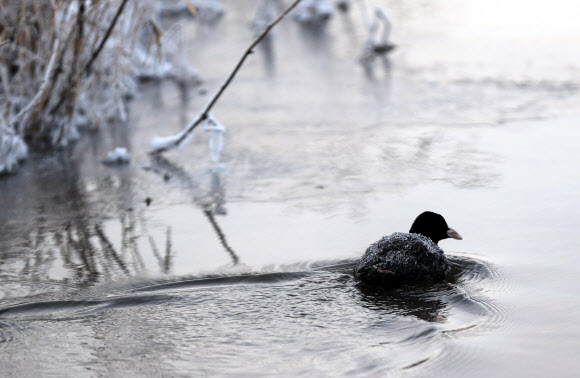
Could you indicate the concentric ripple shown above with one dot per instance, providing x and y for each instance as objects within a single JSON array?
[{"x": 299, "y": 319}]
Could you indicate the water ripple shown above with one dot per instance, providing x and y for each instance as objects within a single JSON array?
[
  {"x": 244, "y": 279},
  {"x": 70, "y": 308},
  {"x": 276, "y": 321}
]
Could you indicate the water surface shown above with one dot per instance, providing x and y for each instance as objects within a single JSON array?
[{"x": 246, "y": 267}]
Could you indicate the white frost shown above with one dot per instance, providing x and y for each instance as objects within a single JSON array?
[
  {"x": 206, "y": 11},
  {"x": 216, "y": 137},
  {"x": 12, "y": 151},
  {"x": 265, "y": 13},
  {"x": 313, "y": 11},
  {"x": 164, "y": 143},
  {"x": 35, "y": 100},
  {"x": 169, "y": 142},
  {"x": 119, "y": 155}
]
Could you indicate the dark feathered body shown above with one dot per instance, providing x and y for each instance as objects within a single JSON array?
[{"x": 402, "y": 258}]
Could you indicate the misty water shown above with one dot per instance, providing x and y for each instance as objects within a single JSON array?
[{"x": 245, "y": 267}]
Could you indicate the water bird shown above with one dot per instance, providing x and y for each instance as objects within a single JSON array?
[{"x": 408, "y": 257}]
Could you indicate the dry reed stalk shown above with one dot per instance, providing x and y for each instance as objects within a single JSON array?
[{"x": 69, "y": 63}]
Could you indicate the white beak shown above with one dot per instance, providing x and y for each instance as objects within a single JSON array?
[{"x": 454, "y": 234}]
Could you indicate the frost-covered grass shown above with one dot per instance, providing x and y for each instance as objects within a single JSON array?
[
  {"x": 70, "y": 64},
  {"x": 12, "y": 151}
]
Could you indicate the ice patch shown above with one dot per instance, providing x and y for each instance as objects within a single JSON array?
[
  {"x": 12, "y": 151},
  {"x": 264, "y": 15},
  {"x": 378, "y": 42},
  {"x": 313, "y": 11},
  {"x": 216, "y": 137},
  {"x": 206, "y": 11},
  {"x": 118, "y": 156}
]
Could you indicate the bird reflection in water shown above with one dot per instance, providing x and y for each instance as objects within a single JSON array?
[
  {"x": 430, "y": 302},
  {"x": 407, "y": 301}
]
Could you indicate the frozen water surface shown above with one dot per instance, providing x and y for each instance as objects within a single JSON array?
[{"x": 131, "y": 270}]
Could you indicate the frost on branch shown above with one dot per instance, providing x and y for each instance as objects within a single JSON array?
[
  {"x": 118, "y": 156},
  {"x": 216, "y": 137},
  {"x": 70, "y": 65}
]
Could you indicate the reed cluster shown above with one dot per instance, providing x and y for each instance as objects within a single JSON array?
[{"x": 69, "y": 64}]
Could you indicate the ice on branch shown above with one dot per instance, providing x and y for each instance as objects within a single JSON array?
[
  {"x": 216, "y": 137},
  {"x": 169, "y": 142},
  {"x": 379, "y": 32}
]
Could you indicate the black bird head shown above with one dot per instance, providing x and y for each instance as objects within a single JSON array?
[{"x": 433, "y": 226}]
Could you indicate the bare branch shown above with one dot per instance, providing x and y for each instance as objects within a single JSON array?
[
  {"x": 87, "y": 67},
  {"x": 46, "y": 83},
  {"x": 105, "y": 37},
  {"x": 204, "y": 114}
]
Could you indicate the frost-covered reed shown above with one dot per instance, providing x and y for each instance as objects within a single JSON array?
[{"x": 69, "y": 64}]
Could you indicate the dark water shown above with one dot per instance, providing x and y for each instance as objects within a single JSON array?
[
  {"x": 474, "y": 116},
  {"x": 300, "y": 319}
]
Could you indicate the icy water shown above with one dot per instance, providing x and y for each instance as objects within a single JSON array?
[{"x": 245, "y": 268}]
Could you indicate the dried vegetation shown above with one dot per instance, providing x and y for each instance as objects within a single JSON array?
[{"x": 71, "y": 64}]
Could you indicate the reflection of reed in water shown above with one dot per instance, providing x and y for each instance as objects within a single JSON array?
[
  {"x": 68, "y": 244},
  {"x": 211, "y": 201},
  {"x": 164, "y": 262},
  {"x": 265, "y": 13},
  {"x": 221, "y": 236},
  {"x": 422, "y": 304},
  {"x": 61, "y": 239},
  {"x": 89, "y": 252},
  {"x": 80, "y": 253},
  {"x": 109, "y": 250}
]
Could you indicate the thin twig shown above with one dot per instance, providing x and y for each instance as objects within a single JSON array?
[
  {"x": 204, "y": 114},
  {"x": 73, "y": 85},
  {"x": 46, "y": 85},
  {"x": 105, "y": 37},
  {"x": 94, "y": 55}
]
